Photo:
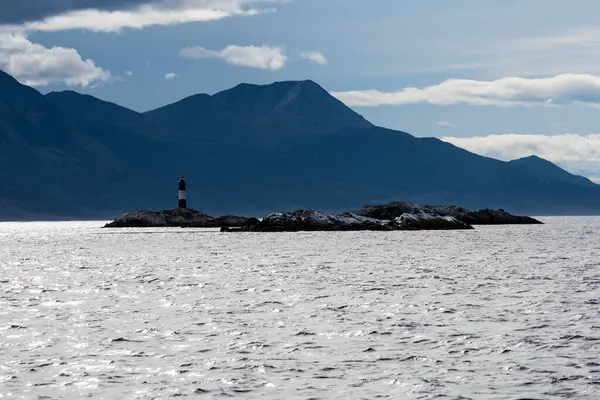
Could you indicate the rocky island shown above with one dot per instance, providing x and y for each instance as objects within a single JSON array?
[
  {"x": 310, "y": 220},
  {"x": 178, "y": 217},
  {"x": 390, "y": 217},
  {"x": 481, "y": 217}
]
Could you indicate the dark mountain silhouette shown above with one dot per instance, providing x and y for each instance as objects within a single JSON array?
[
  {"x": 41, "y": 147},
  {"x": 544, "y": 170},
  {"x": 247, "y": 150},
  {"x": 290, "y": 109},
  {"x": 90, "y": 108},
  {"x": 207, "y": 120},
  {"x": 259, "y": 116}
]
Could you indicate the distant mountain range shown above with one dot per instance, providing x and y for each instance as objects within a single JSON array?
[{"x": 248, "y": 150}]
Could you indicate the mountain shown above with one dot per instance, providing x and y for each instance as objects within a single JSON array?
[
  {"x": 89, "y": 108},
  {"x": 248, "y": 150},
  {"x": 393, "y": 165},
  {"x": 40, "y": 147},
  {"x": 258, "y": 116},
  {"x": 290, "y": 109},
  {"x": 544, "y": 170},
  {"x": 199, "y": 117}
]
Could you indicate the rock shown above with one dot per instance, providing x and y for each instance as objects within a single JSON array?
[
  {"x": 389, "y": 217},
  {"x": 311, "y": 220},
  {"x": 497, "y": 217},
  {"x": 178, "y": 217},
  {"x": 481, "y": 217},
  {"x": 233, "y": 221},
  {"x": 424, "y": 221}
]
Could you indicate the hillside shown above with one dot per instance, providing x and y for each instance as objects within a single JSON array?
[
  {"x": 258, "y": 116},
  {"x": 247, "y": 150},
  {"x": 40, "y": 147}
]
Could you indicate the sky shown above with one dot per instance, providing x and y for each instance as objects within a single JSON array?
[{"x": 505, "y": 79}]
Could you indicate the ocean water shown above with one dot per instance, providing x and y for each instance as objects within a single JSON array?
[{"x": 509, "y": 312}]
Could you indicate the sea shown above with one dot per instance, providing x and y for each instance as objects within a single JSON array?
[{"x": 499, "y": 312}]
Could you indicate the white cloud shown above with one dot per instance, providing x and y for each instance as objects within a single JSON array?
[
  {"x": 579, "y": 89},
  {"x": 265, "y": 57},
  {"x": 36, "y": 65},
  {"x": 170, "y": 76},
  {"x": 576, "y": 153},
  {"x": 314, "y": 56},
  {"x": 165, "y": 12},
  {"x": 129, "y": 73},
  {"x": 446, "y": 124}
]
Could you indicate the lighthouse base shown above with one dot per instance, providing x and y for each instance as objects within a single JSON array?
[{"x": 179, "y": 217}]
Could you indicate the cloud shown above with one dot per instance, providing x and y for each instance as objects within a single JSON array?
[
  {"x": 36, "y": 65},
  {"x": 129, "y": 73},
  {"x": 170, "y": 76},
  {"x": 314, "y": 56},
  {"x": 27, "y": 10},
  {"x": 576, "y": 153},
  {"x": 446, "y": 124},
  {"x": 164, "y": 12},
  {"x": 578, "y": 89},
  {"x": 264, "y": 57}
]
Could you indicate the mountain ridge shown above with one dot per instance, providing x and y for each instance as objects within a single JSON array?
[
  {"x": 250, "y": 150},
  {"x": 246, "y": 111}
]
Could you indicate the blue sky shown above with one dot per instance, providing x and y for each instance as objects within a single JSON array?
[{"x": 505, "y": 79}]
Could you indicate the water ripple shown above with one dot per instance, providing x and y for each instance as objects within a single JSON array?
[{"x": 494, "y": 313}]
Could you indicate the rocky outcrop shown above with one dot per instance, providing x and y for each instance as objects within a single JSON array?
[
  {"x": 419, "y": 220},
  {"x": 481, "y": 217},
  {"x": 178, "y": 217},
  {"x": 233, "y": 220},
  {"x": 390, "y": 217},
  {"x": 310, "y": 220}
]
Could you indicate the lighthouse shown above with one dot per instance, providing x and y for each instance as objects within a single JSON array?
[{"x": 182, "y": 195}]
